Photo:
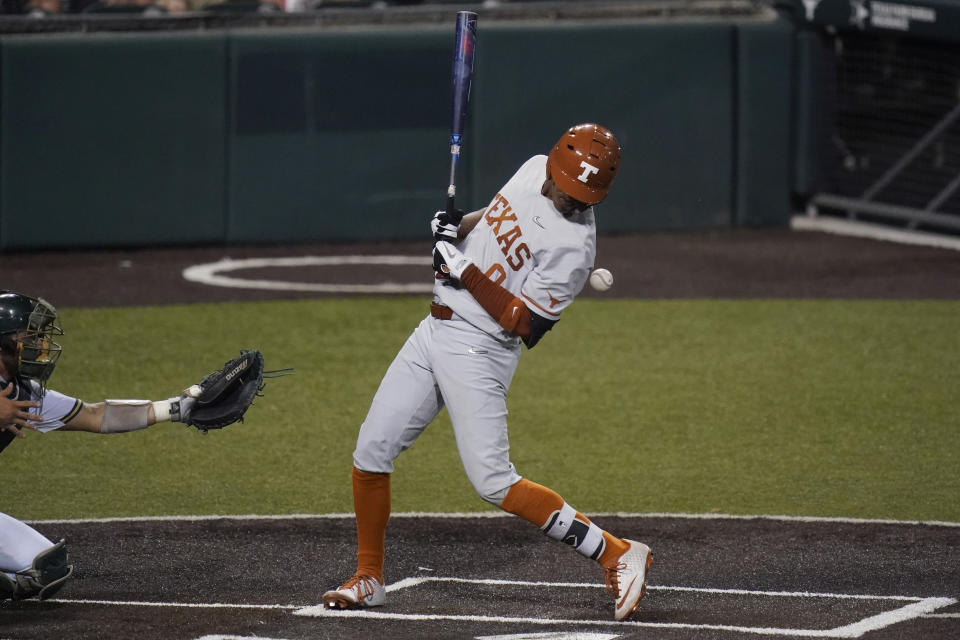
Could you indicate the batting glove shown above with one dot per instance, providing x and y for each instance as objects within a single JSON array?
[
  {"x": 445, "y": 226},
  {"x": 449, "y": 261}
]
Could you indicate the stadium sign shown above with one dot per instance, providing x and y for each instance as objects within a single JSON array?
[{"x": 937, "y": 19}]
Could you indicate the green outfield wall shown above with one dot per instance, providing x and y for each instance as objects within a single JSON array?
[{"x": 293, "y": 134}]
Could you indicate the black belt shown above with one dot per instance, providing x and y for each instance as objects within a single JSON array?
[{"x": 440, "y": 311}]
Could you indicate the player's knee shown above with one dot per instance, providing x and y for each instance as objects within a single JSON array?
[
  {"x": 492, "y": 495},
  {"x": 371, "y": 463},
  {"x": 491, "y": 484},
  {"x": 374, "y": 455}
]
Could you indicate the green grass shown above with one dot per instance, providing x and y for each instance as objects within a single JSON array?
[{"x": 827, "y": 408}]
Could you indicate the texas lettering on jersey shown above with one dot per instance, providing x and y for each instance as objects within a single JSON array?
[
  {"x": 522, "y": 243},
  {"x": 503, "y": 222}
]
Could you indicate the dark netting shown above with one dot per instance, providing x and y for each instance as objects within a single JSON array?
[{"x": 893, "y": 127}]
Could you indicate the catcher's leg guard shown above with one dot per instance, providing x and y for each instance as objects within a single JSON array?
[
  {"x": 48, "y": 574},
  {"x": 8, "y": 588}
]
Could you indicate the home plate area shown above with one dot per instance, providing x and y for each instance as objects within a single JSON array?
[
  {"x": 482, "y": 576},
  {"x": 568, "y": 604}
]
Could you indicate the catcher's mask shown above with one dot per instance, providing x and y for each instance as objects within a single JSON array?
[
  {"x": 27, "y": 326},
  {"x": 584, "y": 162}
]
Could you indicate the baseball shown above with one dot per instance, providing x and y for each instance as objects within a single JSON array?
[{"x": 601, "y": 279}]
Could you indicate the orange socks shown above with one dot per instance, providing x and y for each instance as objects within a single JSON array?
[
  {"x": 371, "y": 503},
  {"x": 558, "y": 520},
  {"x": 614, "y": 548},
  {"x": 529, "y": 500}
]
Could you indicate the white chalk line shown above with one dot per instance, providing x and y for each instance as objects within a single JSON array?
[
  {"x": 492, "y": 514},
  {"x": 857, "y": 228},
  {"x": 211, "y": 274},
  {"x": 889, "y": 618},
  {"x": 412, "y": 582},
  {"x": 177, "y": 605},
  {"x": 917, "y": 607},
  {"x": 550, "y": 635},
  {"x": 220, "y": 636}
]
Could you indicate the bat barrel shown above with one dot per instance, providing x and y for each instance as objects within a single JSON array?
[{"x": 466, "y": 40}]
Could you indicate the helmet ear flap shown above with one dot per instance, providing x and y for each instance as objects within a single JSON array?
[
  {"x": 10, "y": 350},
  {"x": 10, "y": 345}
]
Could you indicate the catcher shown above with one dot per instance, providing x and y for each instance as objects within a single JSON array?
[{"x": 30, "y": 564}]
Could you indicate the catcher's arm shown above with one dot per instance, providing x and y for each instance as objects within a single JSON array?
[
  {"x": 124, "y": 415},
  {"x": 121, "y": 416},
  {"x": 220, "y": 399}
]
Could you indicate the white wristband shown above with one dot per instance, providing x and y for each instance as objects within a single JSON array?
[{"x": 161, "y": 410}]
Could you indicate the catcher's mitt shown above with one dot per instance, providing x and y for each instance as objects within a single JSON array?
[{"x": 222, "y": 397}]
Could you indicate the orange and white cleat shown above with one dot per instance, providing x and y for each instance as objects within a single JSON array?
[
  {"x": 356, "y": 593},
  {"x": 627, "y": 580}
]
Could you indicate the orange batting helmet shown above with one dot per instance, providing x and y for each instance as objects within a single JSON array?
[{"x": 584, "y": 162}]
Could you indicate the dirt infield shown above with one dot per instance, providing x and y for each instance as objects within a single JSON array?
[
  {"x": 771, "y": 263},
  {"x": 468, "y": 577},
  {"x": 471, "y": 577}
]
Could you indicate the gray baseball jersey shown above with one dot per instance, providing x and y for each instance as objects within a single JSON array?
[
  {"x": 467, "y": 362},
  {"x": 524, "y": 244}
]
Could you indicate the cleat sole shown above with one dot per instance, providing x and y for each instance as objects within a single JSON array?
[
  {"x": 338, "y": 602},
  {"x": 643, "y": 588}
]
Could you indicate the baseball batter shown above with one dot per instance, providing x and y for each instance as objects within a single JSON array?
[
  {"x": 31, "y": 564},
  {"x": 520, "y": 262}
]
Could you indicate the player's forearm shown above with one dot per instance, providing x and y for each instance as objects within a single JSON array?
[
  {"x": 468, "y": 223},
  {"x": 118, "y": 416},
  {"x": 508, "y": 310}
]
